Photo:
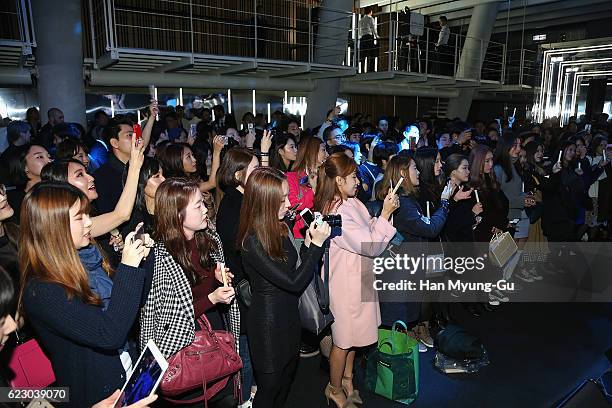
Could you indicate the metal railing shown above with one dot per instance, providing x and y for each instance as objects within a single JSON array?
[
  {"x": 522, "y": 68},
  {"x": 396, "y": 49},
  {"x": 16, "y": 23},
  {"x": 294, "y": 32}
]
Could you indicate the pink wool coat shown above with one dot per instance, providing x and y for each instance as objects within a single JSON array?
[{"x": 353, "y": 301}]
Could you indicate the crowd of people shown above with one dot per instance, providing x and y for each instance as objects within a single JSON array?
[{"x": 127, "y": 232}]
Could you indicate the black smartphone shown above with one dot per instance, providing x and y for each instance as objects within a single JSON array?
[{"x": 307, "y": 216}]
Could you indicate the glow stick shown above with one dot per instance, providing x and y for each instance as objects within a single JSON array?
[
  {"x": 579, "y": 166},
  {"x": 428, "y": 215},
  {"x": 223, "y": 273},
  {"x": 399, "y": 183},
  {"x": 560, "y": 153},
  {"x": 477, "y": 198}
]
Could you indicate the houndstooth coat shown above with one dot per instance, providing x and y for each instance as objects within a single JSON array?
[{"x": 168, "y": 317}]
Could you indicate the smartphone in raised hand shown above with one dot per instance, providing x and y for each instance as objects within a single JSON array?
[{"x": 138, "y": 131}]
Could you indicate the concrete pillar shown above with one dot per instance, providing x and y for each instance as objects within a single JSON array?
[
  {"x": 330, "y": 42},
  {"x": 59, "y": 58},
  {"x": 473, "y": 52}
]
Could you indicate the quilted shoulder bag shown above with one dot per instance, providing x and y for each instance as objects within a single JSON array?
[{"x": 207, "y": 363}]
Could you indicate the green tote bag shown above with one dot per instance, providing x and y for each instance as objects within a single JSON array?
[{"x": 393, "y": 367}]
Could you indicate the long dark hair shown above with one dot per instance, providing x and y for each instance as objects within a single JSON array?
[
  {"x": 69, "y": 148},
  {"x": 425, "y": 159},
  {"x": 17, "y": 164},
  {"x": 150, "y": 167},
  {"x": 276, "y": 160},
  {"x": 502, "y": 156},
  {"x": 530, "y": 150},
  {"x": 259, "y": 212},
  {"x": 7, "y": 294},
  {"x": 452, "y": 163},
  {"x": 430, "y": 185},
  {"x": 171, "y": 159},
  {"x": 478, "y": 178},
  {"x": 237, "y": 159},
  {"x": 171, "y": 200}
]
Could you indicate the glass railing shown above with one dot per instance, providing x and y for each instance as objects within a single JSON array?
[{"x": 522, "y": 68}]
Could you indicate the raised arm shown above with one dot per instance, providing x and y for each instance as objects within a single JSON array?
[
  {"x": 146, "y": 132},
  {"x": 266, "y": 143},
  {"x": 104, "y": 223},
  {"x": 216, "y": 162},
  {"x": 364, "y": 238}
]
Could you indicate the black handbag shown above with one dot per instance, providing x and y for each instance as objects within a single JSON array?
[
  {"x": 313, "y": 307},
  {"x": 243, "y": 292}
]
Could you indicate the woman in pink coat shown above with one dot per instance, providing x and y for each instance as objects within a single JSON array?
[{"x": 354, "y": 304}]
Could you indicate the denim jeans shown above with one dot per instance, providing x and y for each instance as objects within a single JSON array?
[{"x": 246, "y": 373}]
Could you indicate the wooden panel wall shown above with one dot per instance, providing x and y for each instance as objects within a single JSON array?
[
  {"x": 221, "y": 27},
  {"x": 9, "y": 22}
]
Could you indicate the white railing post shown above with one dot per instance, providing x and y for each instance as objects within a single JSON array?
[
  {"x": 255, "y": 24},
  {"x": 191, "y": 26},
  {"x": 427, "y": 51},
  {"x": 310, "y": 39}
]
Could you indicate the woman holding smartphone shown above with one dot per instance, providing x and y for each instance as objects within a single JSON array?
[
  {"x": 277, "y": 280},
  {"x": 74, "y": 172},
  {"x": 81, "y": 316},
  {"x": 186, "y": 279},
  {"x": 310, "y": 155},
  {"x": 362, "y": 237}
]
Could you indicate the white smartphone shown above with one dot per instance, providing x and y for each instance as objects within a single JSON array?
[
  {"x": 307, "y": 216},
  {"x": 145, "y": 377}
]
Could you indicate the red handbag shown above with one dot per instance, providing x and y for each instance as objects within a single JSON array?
[
  {"x": 207, "y": 363},
  {"x": 31, "y": 366}
]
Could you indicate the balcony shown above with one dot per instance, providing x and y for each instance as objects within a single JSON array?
[
  {"x": 16, "y": 34},
  {"x": 401, "y": 58},
  {"x": 213, "y": 38}
]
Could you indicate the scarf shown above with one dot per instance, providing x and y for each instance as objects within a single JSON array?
[{"x": 99, "y": 281}]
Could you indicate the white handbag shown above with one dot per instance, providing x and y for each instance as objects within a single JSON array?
[{"x": 501, "y": 248}]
